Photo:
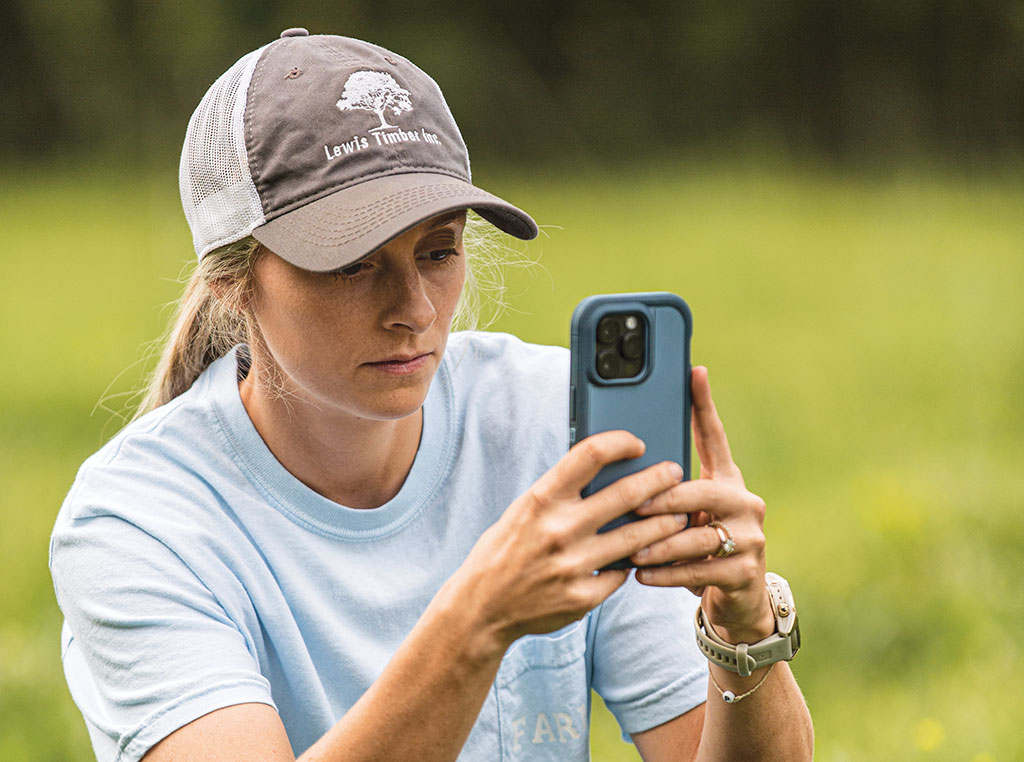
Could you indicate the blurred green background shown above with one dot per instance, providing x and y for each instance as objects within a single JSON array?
[{"x": 836, "y": 188}]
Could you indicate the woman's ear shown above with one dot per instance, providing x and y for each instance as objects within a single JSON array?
[
  {"x": 236, "y": 292},
  {"x": 224, "y": 292},
  {"x": 232, "y": 295}
]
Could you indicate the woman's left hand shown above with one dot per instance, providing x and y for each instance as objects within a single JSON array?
[{"x": 732, "y": 588}]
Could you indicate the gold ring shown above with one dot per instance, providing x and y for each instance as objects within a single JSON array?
[{"x": 727, "y": 546}]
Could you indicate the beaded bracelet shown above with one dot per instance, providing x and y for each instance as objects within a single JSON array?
[{"x": 731, "y": 698}]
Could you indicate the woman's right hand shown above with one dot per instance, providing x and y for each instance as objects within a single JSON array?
[{"x": 533, "y": 571}]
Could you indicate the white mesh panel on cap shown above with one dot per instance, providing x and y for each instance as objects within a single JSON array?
[{"x": 217, "y": 193}]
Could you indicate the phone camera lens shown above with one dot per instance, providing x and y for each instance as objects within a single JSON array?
[
  {"x": 633, "y": 346},
  {"x": 608, "y": 330},
  {"x": 608, "y": 363}
]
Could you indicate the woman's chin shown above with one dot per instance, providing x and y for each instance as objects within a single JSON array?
[{"x": 394, "y": 406}]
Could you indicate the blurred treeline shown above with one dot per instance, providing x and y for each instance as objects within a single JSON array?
[{"x": 535, "y": 80}]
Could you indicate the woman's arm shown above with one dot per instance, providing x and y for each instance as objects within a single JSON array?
[
  {"x": 421, "y": 707},
  {"x": 531, "y": 572},
  {"x": 773, "y": 722}
]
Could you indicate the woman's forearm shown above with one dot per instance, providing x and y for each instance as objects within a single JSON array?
[
  {"x": 422, "y": 706},
  {"x": 772, "y": 723},
  {"x": 425, "y": 702}
]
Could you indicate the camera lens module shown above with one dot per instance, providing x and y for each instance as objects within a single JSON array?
[{"x": 621, "y": 345}]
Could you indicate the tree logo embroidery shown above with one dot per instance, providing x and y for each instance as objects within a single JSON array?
[{"x": 375, "y": 91}]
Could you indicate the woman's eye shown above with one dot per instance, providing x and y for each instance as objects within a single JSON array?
[
  {"x": 440, "y": 255},
  {"x": 350, "y": 271}
]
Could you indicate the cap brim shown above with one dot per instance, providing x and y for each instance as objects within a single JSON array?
[{"x": 353, "y": 222}]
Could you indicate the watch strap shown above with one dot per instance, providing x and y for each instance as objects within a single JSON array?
[{"x": 744, "y": 658}]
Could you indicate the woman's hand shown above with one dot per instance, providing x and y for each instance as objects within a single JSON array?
[
  {"x": 732, "y": 588},
  {"x": 533, "y": 571}
]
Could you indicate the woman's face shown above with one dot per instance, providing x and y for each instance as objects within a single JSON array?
[{"x": 364, "y": 340}]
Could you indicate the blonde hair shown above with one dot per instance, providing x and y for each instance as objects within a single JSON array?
[
  {"x": 208, "y": 322},
  {"x": 212, "y": 316}
]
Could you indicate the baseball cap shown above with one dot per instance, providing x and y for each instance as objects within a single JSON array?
[{"x": 324, "y": 148}]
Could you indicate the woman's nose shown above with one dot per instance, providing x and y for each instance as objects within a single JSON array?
[{"x": 410, "y": 307}]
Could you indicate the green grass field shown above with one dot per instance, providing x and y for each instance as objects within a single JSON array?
[{"x": 865, "y": 339}]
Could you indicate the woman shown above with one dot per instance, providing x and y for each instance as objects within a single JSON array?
[{"x": 341, "y": 532}]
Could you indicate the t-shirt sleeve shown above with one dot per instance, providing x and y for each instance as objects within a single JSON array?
[
  {"x": 147, "y": 648},
  {"x": 646, "y": 664}
]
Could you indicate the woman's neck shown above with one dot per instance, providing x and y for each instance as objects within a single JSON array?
[{"x": 357, "y": 462}]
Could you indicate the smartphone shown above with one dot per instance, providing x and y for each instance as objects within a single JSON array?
[{"x": 630, "y": 369}]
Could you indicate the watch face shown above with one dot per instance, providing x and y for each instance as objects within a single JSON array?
[{"x": 783, "y": 606}]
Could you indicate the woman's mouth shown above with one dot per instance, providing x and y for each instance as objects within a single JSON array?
[{"x": 401, "y": 366}]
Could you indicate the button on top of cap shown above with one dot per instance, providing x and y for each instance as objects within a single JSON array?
[{"x": 295, "y": 31}]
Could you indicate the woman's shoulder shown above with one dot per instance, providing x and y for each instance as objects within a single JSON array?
[
  {"x": 507, "y": 368},
  {"x": 156, "y": 454},
  {"x": 504, "y": 351},
  {"x": 510, "y": 387}
]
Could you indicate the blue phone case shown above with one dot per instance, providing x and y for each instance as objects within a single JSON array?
[{"x": 654, "y": 405}]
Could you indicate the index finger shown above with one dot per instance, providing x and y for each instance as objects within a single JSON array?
[
  {"x": 708, "y": 431},
  {"x": 581, "y": 464}
]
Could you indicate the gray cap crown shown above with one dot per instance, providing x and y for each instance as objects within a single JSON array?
[{"x": 344, "y": 145}]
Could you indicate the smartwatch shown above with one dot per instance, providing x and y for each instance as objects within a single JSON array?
[{"x": 744, "y": 658}]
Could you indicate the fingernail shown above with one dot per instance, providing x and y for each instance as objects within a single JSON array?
[
  {"x": 683, "y": 519},
  {"x": 642, "y": 553},
  {"x": 677, "y": 471},
  {"x": 646, "y": 504}
]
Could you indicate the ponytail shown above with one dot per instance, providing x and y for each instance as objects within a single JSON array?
[{"x": 207, "y": 324}]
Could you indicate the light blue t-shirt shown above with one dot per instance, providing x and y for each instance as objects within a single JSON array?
[{"x": 195, "y": 572}]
